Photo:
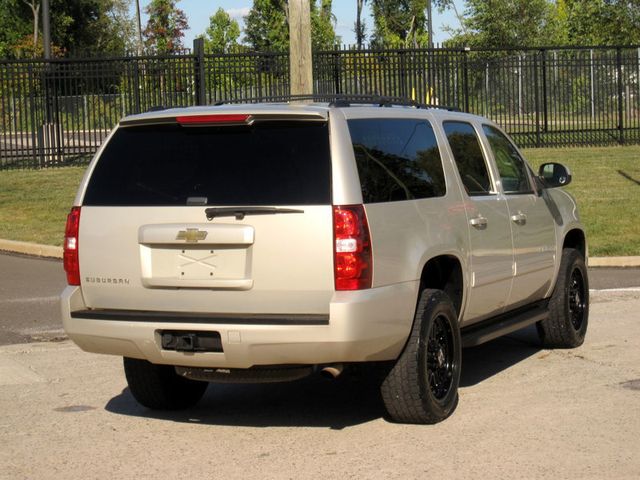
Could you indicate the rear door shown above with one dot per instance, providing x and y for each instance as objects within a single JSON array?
[
  {"x": 203, "y": 216},
  {"x": 489, "y": 230}
]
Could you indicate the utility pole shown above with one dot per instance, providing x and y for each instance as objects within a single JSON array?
[
  {"x": 300, "y": 60},
  {"x": 430, "y": 22},
  {"x": 139, "y": 25},
  {"x": 46, "y": 29}
]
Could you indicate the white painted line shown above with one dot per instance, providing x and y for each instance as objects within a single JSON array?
[
  {"x": 31, "y": 300},
  {"x": 613, "y": 290}
]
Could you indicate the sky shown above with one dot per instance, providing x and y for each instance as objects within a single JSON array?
[{"x": 199, "y": 11}]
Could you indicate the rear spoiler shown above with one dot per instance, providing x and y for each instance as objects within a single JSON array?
[{"x": 221, "y": 119}]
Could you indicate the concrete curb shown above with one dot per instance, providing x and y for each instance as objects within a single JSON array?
[
  {"x": 27, "y": 248},
  {"x": 49, "y": 251},
  {"x": 614, "y": 261}
]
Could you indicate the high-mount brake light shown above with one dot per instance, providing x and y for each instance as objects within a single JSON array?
[
  {"x": 230, "y": 119},
  {"x": 70, "y": 257},
  {"x": 353, "y": 259}
]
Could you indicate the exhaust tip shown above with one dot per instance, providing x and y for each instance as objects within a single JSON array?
[{"x": 332, "y": 371}]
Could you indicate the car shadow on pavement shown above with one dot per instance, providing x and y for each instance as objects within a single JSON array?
[
  {"x": 320, "y": 402},
  {"x": 311, "y": 402},
  {"x": 489, "y": 359}
]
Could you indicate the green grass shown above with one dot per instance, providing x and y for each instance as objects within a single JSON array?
[
  {"x": 34, "y": 203},
  {"x": 606, "y": 182},
  {"x": 606, "y": 185}
]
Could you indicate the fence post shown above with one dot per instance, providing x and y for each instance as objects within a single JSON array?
[
  {"x": 32, "y": 114},
  {"x": 593, "y": 103},
  {"x": 336, "y": 73},
  {"x": 403, "y": 75},
  {"x": 620, "y": 95},
  {"x": 198, "y": 71},
  {"x": 520, "y": 107},
  {"x": 136, "y": 86},
  {"x": 536, "y": 97},
  {"x": 465, "y": 78},
  {"x": 545, "y": 117}
]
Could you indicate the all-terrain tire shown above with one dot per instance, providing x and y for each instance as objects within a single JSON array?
[
  {"x": 159, "y": 387},
  {"x": 422, "y": 386},
  {"x": 566, "y": 325}
]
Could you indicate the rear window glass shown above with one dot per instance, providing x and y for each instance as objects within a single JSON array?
[
  {"x": 398, "y": 159},
  {"x": 273, "y": 164}
]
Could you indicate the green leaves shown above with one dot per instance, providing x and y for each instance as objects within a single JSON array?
[
  {"x": 267, "y": 25},
  {"x": 531, "y": 23},
  {"x": 165, "y": 27},
  {"x": 400, "y": 23},
  {"x": 222, "y": 33}
]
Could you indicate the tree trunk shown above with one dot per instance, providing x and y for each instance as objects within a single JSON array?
[{"x": 35, "y": 9}]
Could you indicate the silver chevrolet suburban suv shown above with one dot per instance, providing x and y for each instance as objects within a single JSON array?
[{"x": 266, "y": 242}]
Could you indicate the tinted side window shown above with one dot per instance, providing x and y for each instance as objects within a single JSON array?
[
  {"x": 468, "y": 157},
  {"x": 511, "y": 166},
  {"x": 398, "y": 159},
  {"x": 269, "y": 164}
]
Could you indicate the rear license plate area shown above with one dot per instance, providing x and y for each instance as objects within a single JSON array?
[{"x": 191, "y": 341}]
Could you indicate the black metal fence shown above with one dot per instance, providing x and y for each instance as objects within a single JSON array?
[{"x": 58, "y": 112}]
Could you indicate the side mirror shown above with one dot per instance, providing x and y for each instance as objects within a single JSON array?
[{"x": 555, "y": 175}]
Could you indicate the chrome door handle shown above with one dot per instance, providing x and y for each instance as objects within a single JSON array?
[
  {"x": 478, "y": 222},
  {"x": 519, "y": 218}
]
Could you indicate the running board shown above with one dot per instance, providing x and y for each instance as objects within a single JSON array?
[{"x": 504, "y": 324}]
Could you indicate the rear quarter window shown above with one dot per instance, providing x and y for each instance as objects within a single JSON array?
[
  {"x": 269, "y": 164},
  {"x": 397, "y": 159}
]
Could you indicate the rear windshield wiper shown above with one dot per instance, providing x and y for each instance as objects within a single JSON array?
[{"x": 241, "y": 212}]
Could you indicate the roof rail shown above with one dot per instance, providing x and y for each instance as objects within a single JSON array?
[{"x": 341, "y": 100}]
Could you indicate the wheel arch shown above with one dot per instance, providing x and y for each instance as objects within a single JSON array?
[
  {"x": 575, "y": 238},
  {"x": 445, "y": 272}
]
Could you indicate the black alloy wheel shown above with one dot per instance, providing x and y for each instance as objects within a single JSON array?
[
  {"x": 576, "y": 299},
  {"x": 566, "y": 325},
  {"x": 422, "y": 386},
  {"x": 440, "y": 358}
]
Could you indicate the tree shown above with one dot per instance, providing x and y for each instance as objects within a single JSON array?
[
  {"x": 267, "y": 25},
  {"x": 15, "y": 24},
  {"x": 399, "y": 23},
  {"x": 76, "y": 25},
  {"x": 602, "y": 22},
  {"x": 323, "y": 34},
  {"x": 509, "y": 23},
  {"x": 222, "y": 33},
  {"x": 443, "y": 5},
  {"x": 35, "y": 9},
  {"x": 166, "y": 26}
]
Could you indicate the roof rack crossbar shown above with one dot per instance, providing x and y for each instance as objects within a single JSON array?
[{"x": 340, "y": 100}]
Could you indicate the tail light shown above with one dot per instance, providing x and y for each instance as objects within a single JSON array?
[
  {"x": 353, "y": 261},
  {"x": 71, "y": 263}
]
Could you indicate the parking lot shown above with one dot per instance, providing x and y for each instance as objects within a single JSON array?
[{"x": 523, "y": 413}]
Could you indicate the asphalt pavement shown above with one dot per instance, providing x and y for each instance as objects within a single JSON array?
[
  {"x": 523, "y": 413},
  {"x": 29, "y": 299}
]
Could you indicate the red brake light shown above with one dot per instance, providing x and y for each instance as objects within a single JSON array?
[
  {"x": 71, "y": 263},
  {"x": 353, "y": 260},
  {"x": 213, "y": 119}
]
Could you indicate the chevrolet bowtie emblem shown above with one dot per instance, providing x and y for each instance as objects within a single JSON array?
[{"x": 191, "y": 235}]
